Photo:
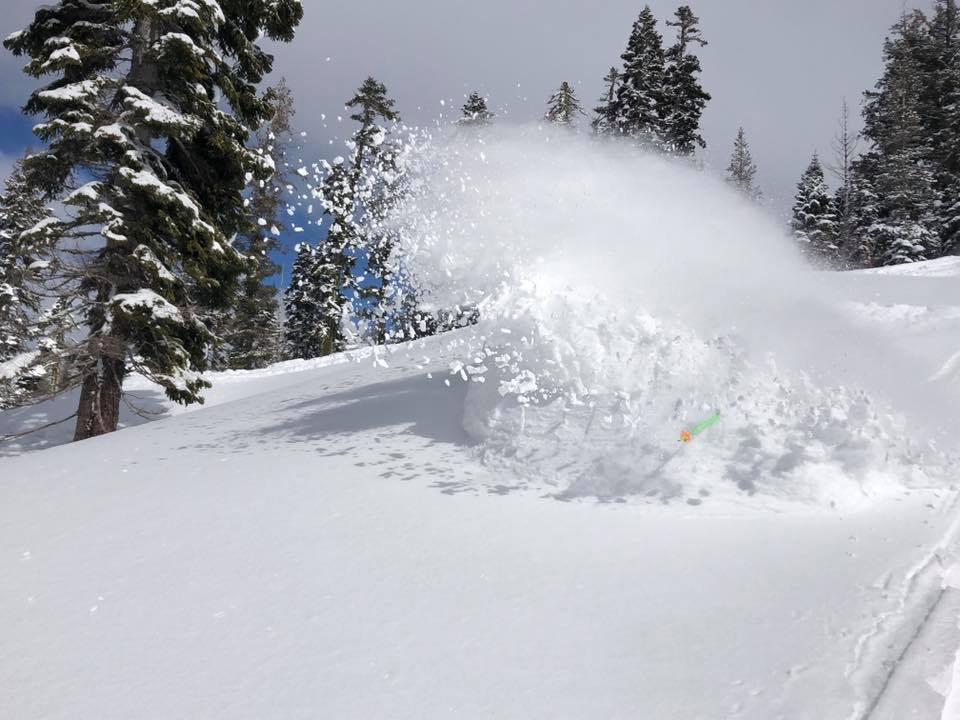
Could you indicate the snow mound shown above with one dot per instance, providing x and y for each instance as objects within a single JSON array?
[
  {"x": 583, "y": 405},
  {"x": 625, "y": 298}
]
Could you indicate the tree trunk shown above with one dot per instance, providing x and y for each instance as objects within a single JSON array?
[{"x": 100, "y": 393}]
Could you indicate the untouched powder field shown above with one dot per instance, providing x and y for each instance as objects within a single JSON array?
[{"x": 500, "y": 522}]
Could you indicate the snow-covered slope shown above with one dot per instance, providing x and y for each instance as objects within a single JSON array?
[
  {"x": 501, "y": 522},
  {"x": 939, "y": 268},
  {"x": 332, "y": 547},
  {"x": 325, "y": 540}
]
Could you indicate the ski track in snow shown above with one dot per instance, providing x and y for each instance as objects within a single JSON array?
[{"x": 881, "y": 652}]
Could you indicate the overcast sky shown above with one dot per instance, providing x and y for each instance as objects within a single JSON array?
[{"x": 779, "y": 67}]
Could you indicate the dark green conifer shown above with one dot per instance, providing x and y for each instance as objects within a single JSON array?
[
  {"x": 564, "y": 106},
  {"x": 742, "y": 171},
  {"x": 153, "y": 101},
  {"x": 814, "y": 219},
  {"x": 640, "y": 104},
  {"x": 605, "y": 118},
  {"x": 684, "y": 97},
  {"x": 475, "y": 112}
]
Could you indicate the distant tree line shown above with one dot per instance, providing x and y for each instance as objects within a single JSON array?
[{"x": 898, "y": 201}]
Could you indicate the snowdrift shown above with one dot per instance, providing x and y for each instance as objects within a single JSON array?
[{"x": 625, "y": 297}]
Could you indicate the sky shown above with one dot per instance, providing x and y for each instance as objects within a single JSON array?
[{"x": 781, "y": 68}]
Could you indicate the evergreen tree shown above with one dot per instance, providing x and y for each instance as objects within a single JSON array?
[
  {"x": 372, "y": 104},
  {"x": 941, "y": 117},
  {"x": 814, "y": 221},
  {"x": 411, "y": 320},
  {"x": 640, "y": 96},
  {"x": 684, "y": 97},
  {"x": 475, "y": 112},
  {"x": 563, "y": 106},
  {"x": 21, "y": 208},
  {"x": 152, "y": 100},
  {"x": 252, "y": 335},
  {"x": 336, "y": 284},
  {"x": 904, "y": 176},
  {"x": 375, "y": 176},
  {"x": 305, "y": 324},
  {"x": 55, "y": 328},
  {"x": 863, "y": 211},
  {"x": 742, "y": 171},
  {"x": 605, "y": 120},
  {"x": 845, "y": 150}
]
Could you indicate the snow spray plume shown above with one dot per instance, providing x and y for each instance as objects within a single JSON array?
[{"x": 645, "y": 288}]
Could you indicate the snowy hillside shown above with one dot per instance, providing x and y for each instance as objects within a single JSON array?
[
  {"x": 502, "y": 521},
  {"x": 577, "y": 428},
  {"x": 327, "y": 540}
]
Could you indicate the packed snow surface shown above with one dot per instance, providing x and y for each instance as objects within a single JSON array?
[{"x": 500, "y": 521}]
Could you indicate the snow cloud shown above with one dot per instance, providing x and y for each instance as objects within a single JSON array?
[{"x": 622, "y": 295}]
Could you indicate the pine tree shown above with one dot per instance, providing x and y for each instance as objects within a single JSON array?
[
  {"x": 904, "y": 179},
  {"x": 684, "y": 97},
  {"x": 845, "y": 150},
  {"x": 56, "y": 327},
  {"x": 253, "y": 331},
  {"x": 375, "y": 176},
  {"x": 941, "y": 117},
  {"x": 411, "y": 320},
  {"x": 152, "y": 100},
  {"x": 742, "y": 171},
  {"x": 475, "y": 112},
  {"x": 21, "y": 208},
  {"x": 814, "y": 220},
  {"x": 563, "y": 106},
  {"x": 372, "y": 105},
  {"x": 863, "y": 210},
  {"x": 336, "y": 284},
  {"x": 605, "y": 119},
  {"x": 305, "y": 324},
  {"x": 640, "y": 96}
]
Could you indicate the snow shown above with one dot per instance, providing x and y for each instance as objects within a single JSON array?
[
  {"x": 42, "y": 227},
  {"x": 612, "y": 350},
  {"x": 89, "y": 191},
  {"x": 86, "y": 90},
  {"x": 380, "y": 535},
  {"x": 156, "y": 112},
  {"x": 10, "y": 368},
  {"x": 325, "y": 532},
  {"x": 160, "y": 308},
  {"x": 941, "y": 267},
  {"x": 192, "y": 9},
  {"x": 111, "y": 132},
  {"x": 66, "y": 53},
  {"x": 146, "y": 256},
  {"x": 147, "y": 180}
]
